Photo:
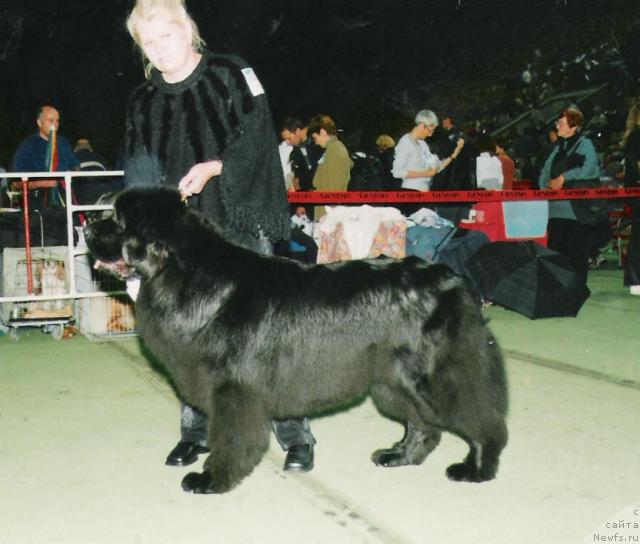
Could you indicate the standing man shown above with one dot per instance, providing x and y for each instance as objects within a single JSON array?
[
  {"x": 36, "y": 154},
  {"x": 201, "y": 122},
  {"x": 508, "y": 166},
  {"x": 460, "y": 176},
  {"x": 88, "y": 190},
  {"x": 89, "y": 159},
  {"x": 305, "y": 154}
]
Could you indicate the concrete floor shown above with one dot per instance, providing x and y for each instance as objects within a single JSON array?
[{"x": 85, "y": 428}]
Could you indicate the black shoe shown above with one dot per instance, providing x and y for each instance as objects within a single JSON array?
[
  {"x": 299, "y": 458},
  {"x": 185, "y": 453}
]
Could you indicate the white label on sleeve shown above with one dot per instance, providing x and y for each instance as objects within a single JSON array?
[{"x": 252, "y": 81}]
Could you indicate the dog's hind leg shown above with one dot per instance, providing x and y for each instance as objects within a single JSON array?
[
  {"x": 481, "y": 463},
  {"x": 413, "y": 449},
  {"x": 419, "y": 440},
  {"x": 238, "y": 438},
  {"x": 484, "y": 430}
]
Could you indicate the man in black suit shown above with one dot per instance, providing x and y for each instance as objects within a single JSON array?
[{"x": 304, "y": 156}]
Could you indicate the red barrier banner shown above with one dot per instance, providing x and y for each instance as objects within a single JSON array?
[{"x": 479, "y": 195}]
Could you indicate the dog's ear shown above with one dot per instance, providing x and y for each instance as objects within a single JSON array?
[
  {"x": 157, "y": 255},
  {"x": 106, "y": 198},
  {"x": 157, "y": 251},
  {"x": 147, "y": 257}
]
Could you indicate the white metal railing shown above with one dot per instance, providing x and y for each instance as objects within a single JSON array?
[{"x": 72, "y": 252}]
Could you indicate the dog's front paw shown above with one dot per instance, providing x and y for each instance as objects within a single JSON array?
[
  {"x": 389, "y": 458},
  {"x": 204, "y": 483},
  {"x": 198, "y": 482}
]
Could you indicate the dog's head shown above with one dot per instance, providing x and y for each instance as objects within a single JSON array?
[{"x": 136, "y": 237}]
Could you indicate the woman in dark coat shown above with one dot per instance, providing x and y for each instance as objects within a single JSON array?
[
  {"x": 572, "y": 164},
  {"x": 201, "y": 123}
]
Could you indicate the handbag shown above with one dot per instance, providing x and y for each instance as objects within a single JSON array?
[{"x": 587, "y": 211}]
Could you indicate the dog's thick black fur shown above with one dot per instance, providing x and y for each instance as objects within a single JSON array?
[{"x": 248, "y": 338}]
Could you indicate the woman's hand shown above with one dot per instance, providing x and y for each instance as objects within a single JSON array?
[
  {"x": 197, "y": 178},
  {"x": 556, "y": 183},
  {"x": 459, "y": 146}
]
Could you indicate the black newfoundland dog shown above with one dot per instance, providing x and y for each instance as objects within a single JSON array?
[{"x": 248, "y": 338}]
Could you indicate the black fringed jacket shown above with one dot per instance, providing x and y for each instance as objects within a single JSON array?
[{"x": 212, "y": 114}]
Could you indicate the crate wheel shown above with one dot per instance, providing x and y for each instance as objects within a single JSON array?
[{"x": 57, "y": 332}]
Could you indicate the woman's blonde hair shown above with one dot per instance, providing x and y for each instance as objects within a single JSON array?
[
  {"x": 384, "y": 141},
  {"x": 633, "y": 121},
  {"x": 145, "y": 10}
]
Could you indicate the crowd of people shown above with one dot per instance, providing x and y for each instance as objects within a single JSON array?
[{"x": 454, "y": 160}]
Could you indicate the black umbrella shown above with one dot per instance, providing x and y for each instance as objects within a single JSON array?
[
  {"x": 528, "y": 278},
  {"x": 457, "y": 252}
]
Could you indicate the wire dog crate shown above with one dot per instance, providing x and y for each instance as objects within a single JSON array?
[
  {"x": 107, "y": 316},
  {"x": 49, "y": 275},
  {"x": 49, "y": 278}
]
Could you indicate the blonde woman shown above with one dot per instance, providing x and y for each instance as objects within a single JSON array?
[
  {"x": 201, "y": 123},
  {"x": 385, "y": 149}
]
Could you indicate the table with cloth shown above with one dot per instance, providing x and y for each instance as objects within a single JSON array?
[{"x": 359, "y": 232}]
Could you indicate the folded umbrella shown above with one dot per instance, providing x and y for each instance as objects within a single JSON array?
[{"x": 529, "y": 279}]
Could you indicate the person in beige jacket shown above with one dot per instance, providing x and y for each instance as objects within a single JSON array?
[{"x": 334, "y": 168}]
